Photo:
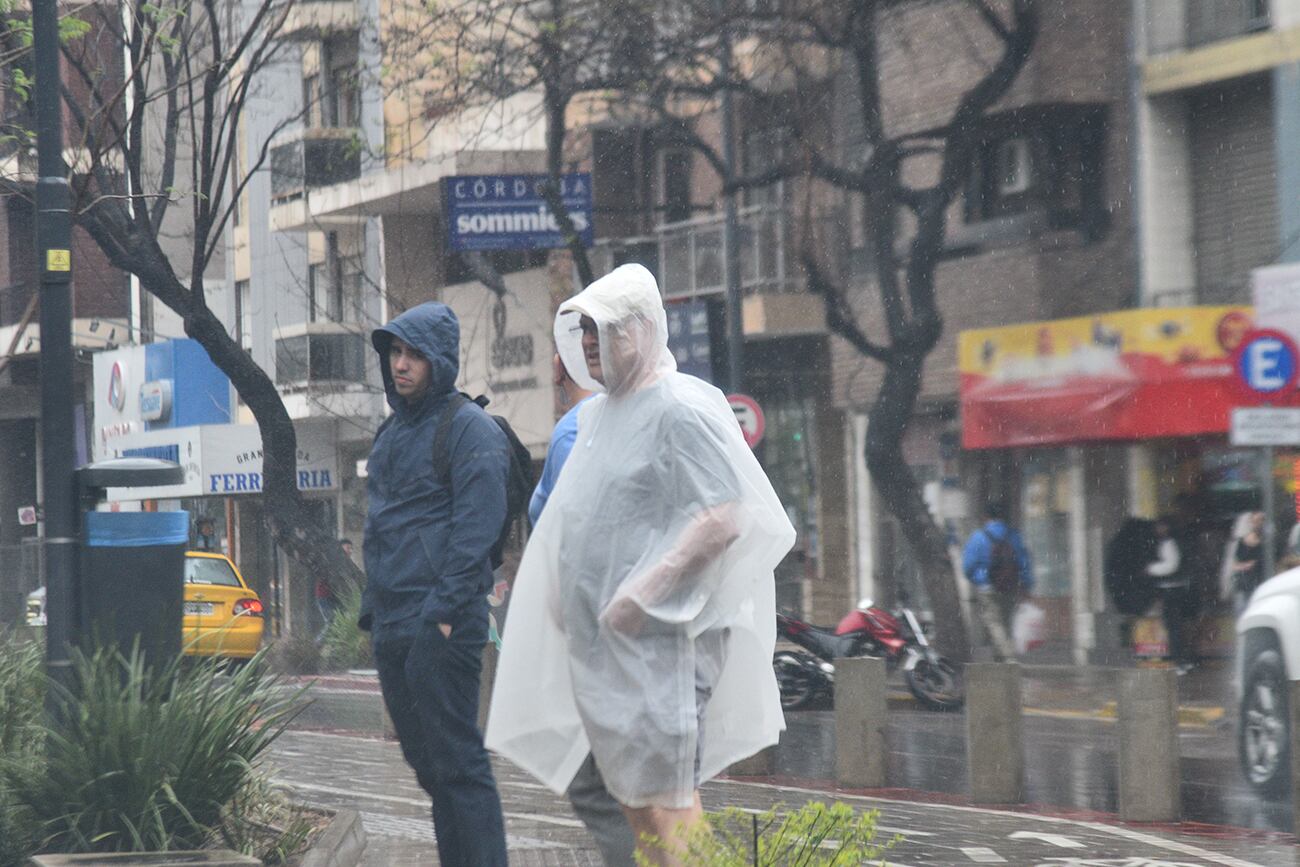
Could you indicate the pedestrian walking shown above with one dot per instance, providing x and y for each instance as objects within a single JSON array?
[
  {"x": 1169, "y": 570},
  {"x": 205, "y": 536},
  {"x": 591, "y": 800},
  {"x": 1244, "y": 558},
  {"x": 997, "y": 565},
  {"x": 644, "y": 619},
  {"x": 427, "y": 551}
]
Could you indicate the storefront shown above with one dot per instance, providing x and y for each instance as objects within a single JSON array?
[
  {"x": 167, "y": 400},
  {"x": 1079, "y": 423}
]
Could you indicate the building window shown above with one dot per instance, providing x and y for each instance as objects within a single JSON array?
[
  {"x": 311, "y": 101},
  {"x": 342, "y": 94},
  {"x": 316, "y": 284},
  {"x": 1050, "y": 162},
  {"x": 1003, "y": 179},
  {"x": 762, "y": 150},
  {"x": 675, "y": 185},
  {"x": 244, "y": 314}
]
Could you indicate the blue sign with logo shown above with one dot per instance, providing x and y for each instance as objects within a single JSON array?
[
  {"x": 1267, "y": 362},
  {"x": 184, "y": 387},
  {"x": 509, "y": 212},
  {"x": 688, "y": 338}
]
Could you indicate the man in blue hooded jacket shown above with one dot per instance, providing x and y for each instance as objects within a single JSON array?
[
  {"x": 427, "y": 551},
  {"x": 997, "y": 564}
]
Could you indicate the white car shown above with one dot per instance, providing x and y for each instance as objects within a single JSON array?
[
  {"x": 36, "y": 607},
  {"x": 1268, "y": 660}
]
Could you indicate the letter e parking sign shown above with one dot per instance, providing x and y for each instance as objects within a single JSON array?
[{"x": 1266, "y": 363}]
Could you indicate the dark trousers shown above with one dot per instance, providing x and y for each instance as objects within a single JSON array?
[{"x": 431, "y": 688}]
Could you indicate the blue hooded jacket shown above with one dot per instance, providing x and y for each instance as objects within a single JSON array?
[
  {"x": 428, "y": 545},
  {"x": 977, "y": 557}
]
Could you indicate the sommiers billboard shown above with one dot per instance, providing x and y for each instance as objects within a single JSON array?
[{"x": 1127, "y": 375}]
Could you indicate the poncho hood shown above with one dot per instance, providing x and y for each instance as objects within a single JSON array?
[{"x": 629, "y": 312}]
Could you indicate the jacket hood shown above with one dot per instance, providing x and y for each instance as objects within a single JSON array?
[
  {"x": 628, "y": 310},
  {"x": 997, "y": 530},
  {"x": 435, "y": 332}
]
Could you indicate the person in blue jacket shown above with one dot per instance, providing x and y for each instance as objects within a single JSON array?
[
  {"x": 428, "y": 565},
  {"x": 997, "y": 565}
]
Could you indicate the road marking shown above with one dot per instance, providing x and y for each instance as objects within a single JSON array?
[
  {"x": 1055, "y": 839},
  {"x": 982, "y": 855},
  {"x": 906, "y": 832},
  {"x": 545, "y": 820},
  {"x": 1136, "y": 836}
]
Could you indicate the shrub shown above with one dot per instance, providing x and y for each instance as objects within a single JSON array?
[
  {"x": 140, "y": 760},
  {"x": 344, "y": 645},
  {"x": 263, "y": 822},
  {"x": 813, "y": 836},
  {"x": 22, "y": 698}
]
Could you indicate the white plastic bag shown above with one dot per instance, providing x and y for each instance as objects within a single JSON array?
[{"x": 1028, "y": 627}]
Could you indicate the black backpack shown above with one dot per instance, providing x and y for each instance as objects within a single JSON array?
[
  {"x": 519, "y": 478},
  {"x": 1004, "y": 566}
]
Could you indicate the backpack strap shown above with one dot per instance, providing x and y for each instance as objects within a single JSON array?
[{"x": 441, "y": 454}]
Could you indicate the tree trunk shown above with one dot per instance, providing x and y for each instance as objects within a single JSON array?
[{"x": 887, "y": 422}]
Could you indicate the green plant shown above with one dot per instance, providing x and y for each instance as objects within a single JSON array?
[
  {"x": 138, "y": 759},
  {"x": 344, "y": 645},
  {"x": 815, "y": 835},
  {"x": 22, "y": 697},
  {"x": 263, "y": 822}
]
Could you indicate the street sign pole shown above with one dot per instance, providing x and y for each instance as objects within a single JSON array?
[{"x": 54, "y": 259}]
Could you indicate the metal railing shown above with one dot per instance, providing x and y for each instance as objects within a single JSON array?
[{"x": 691, "y": 254}]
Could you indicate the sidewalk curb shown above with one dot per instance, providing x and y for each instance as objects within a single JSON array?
[{"x": 341, "y": 844}]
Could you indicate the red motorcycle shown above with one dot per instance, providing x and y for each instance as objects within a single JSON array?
[{"x": 868, "y": 630}]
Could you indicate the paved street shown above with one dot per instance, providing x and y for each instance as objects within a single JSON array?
[{"x": 368, "y": 774}]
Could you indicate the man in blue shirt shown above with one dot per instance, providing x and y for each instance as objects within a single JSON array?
[
  {"x": 996, "y": 563},
  {"x": 598, "y": 810}
]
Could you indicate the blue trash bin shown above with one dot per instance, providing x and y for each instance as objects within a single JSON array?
[{"x": 132, "y": 581}]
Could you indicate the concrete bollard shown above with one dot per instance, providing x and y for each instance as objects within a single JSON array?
[
  {"x": 995, "y": 752},
  {"x": 861, "y": 757},
  {"x": 760, "y": 764},
  {"x": 487, "y": 679},
  {"x": 1148, "y": 746}
]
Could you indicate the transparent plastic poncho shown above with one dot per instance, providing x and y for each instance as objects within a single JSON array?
[{"x": 644, "y": 608}]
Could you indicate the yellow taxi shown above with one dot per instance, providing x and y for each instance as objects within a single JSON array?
[{"x": 222, "y": 615}]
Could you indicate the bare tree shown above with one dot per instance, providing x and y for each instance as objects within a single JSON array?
[
  {"x": 156, "y": 93},
  {"x": 905, "y": 182}
]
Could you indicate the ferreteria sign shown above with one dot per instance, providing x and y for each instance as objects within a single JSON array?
[{"x": 509, "y": 212}]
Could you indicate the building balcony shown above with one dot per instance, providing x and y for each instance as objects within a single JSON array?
[
  {"x": 314, "y": 158},
  {"x": 316, "y": 19},
  {"x": 320, "y": 355}
]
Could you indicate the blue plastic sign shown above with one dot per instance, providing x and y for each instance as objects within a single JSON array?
[
  {"x": 688, "y": 338},
  {"x": 1267, "y": 362},
  {"x": 509, "y": 212}
]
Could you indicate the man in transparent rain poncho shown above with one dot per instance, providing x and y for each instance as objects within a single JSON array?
[{"x": 643, "y": 613}]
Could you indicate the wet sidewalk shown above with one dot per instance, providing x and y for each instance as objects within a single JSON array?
[{"x": 367, "y": 774}]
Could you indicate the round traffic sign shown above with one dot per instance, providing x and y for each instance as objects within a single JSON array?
[
  {"x": 1266, "y": 362},
  {"x": 750, "y": 416}
]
